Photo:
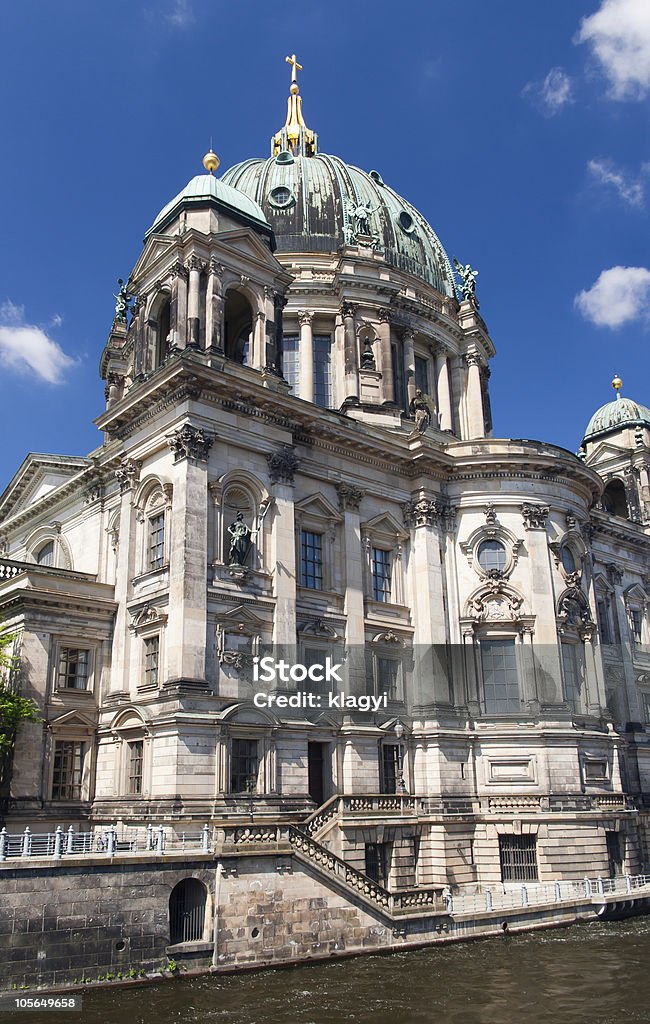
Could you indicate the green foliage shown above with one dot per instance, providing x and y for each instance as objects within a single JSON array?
[
  {"x": 14, "y": 709},
  {"x": 172, "y": 966}
]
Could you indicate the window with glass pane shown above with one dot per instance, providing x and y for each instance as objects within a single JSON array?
[
  {"x": 518, "y": 855},
  {"x": 388, "y": 677},
  {"x": 381, "y": 589},
  {"x": 151, "y": 660},
  {"x": 291, "y": 360},
  {"x": 572, "y": 667},
  {"x": 390, "y": 767},
  {"x": 323, "y": 370},
  {"x": 244, "y": 765},
  {"x": 645, "y": 697},
  {"x": 156, "y": 540},
  {"x": 500, "y": 680},
  {"x": 311, "y": 560},
  {"x": 422, "y": 374},
  {"x": 73, "y": 668},
  {"x": 136, "y": 753},
  {"x": 568, "y": 561},
  {"x": 46, "y": 555},
  {"x": 68, "y": 765},
  {"x": 317, "y": 656},
  {"x": 636, "y": 622},
  {"x": 491, "y": 555},
  {"x": 603, "y": 621}
]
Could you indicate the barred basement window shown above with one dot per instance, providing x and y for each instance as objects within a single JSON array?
[
  {"x": 156, "y": 541},
  {"x": 244, "y": 766},
  {"x": 136, "y": 753},
  {"x": 518, "y": 856},
  {"x": 187, "y": 904},
  {"x": 73, "y": 668},
  {"x": 311, "y": 560},
  {"x": 381, "y": 575},
  {"x": 68, "y": 766},
  {"x": 151, "y": 660}
]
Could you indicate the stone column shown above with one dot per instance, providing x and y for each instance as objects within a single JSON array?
[
  {"x": 127, "y": 474},
  {"x": 475, "y": 420},
  {"x": 282, "y": 468},
  {"x": 445, "y": 418},
  {"x": 351, "y": 360},
  {"x": 279, "y": 302},
  {"x": 258, "y": 356},
  {"x": 386, "y": 365},
  {"x": 194, "y": 266},
  {"x": 187, "y": 624},
  {"x": 350, "y": 498},
  {"x": 306, "y": 383},
  {"x": 214, "y": 308},
  {"x": 409, "y": 364},
  {"x": 458, "y": 378},
  {"x": 178, "y": 306}
]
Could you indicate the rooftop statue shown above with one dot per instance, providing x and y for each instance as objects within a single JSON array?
[
  {"x": 122, "y": 300},
  {"x": 467, "y": 280},
  {"x": 361, "y": 219}
]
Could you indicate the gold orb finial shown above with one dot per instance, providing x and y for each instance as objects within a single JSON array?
[
  {"x": 211, "y": 161},
  {"x": 617, "y": 384}
]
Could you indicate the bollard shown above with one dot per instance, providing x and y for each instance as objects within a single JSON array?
[
  {"x": 150, "y": 836},
  {"x": 205, "y": 838},
  {"x": 558, "y": 893},
  {"x": 58, "y": 842},
  {"x": 160, "y": 840},
  {"x": 3, "y": 844},
  {"x": 27, "y": 842},
  {"x": 488, "y": 899},
  {"x": 69, "y": 846},
  {"x": 111, "y": 837},
  {"x": 600, "y": 886},
  {"x": 524, "y": 896},
  {"x": 587, "y": 884}
]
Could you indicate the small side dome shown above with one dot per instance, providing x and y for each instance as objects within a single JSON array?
[
  {"x": 623, "y": 412},
  {"x": 206, "y": 190}
]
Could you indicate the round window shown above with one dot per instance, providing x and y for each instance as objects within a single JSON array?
[
  {"x": 568, "y": 561},
  {"x": 491, "y": 556},
  {"x": 284, "y": 157},
  {"x": 281, "y": 195},
  {"x": 376, "y": 177},
  {"x": 406, "y": 222}
]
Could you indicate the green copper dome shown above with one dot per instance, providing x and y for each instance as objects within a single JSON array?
[
  {"x": 318, "y": 203},
  {"x": 622, "y": 412},
  {"x": 206, "y": 190}
]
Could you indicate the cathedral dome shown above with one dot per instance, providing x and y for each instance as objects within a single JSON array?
[
  {"x": 318, "y": 203},
  {"x": 206, "y": 190},
  {"x": 622, "y": 412}
]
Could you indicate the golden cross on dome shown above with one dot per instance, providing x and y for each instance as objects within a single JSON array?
[{"x": 295, "y": 66}]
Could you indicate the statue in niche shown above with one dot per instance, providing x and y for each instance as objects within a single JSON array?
[
  {"x": 240, "y": 543},
  {"x": 467, "y": 280},
  {"x": 421, "y": 410},
  {"x": 367, "y": 356},
  {"x": 122, "y": 300},
  {"x": 361, "y": 219}
]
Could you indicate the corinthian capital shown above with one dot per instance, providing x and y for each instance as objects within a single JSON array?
[
  {"x": 190, "y": 442},
  {"x": 305, "y": 317}
]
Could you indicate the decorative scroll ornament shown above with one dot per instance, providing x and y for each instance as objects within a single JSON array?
[
  {"x": 490, "y": 513},
  {"x": 614, "y": 574},
  {"x": 495, "y": 602},
  {"x": 127, "y": 473},
  {"x": 534, "y": 516},
  {"x": 349, "y": 497},
  {"x": 282, "y": 465},
  {"x": 190, "y": 442}
]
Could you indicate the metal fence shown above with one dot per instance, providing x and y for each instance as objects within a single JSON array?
[
  {"x": 500, "y": 897},
  {"x": 107, "y": 842}
]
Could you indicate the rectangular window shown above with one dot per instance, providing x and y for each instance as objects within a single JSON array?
[
  {"x": 151, "y": 660},
  {"x": 311, "y": 560},
  {"x": 381, "y": 577},
  {"x": 323, "y": 370},
  {"x": 136, "y": 753},
  {"x": 422, "y": 375},
  {"x": 156, "y": 541},
  {"x": 500, "y": 679},
  {"x": 572, "y": 669},
  {"x": 636, "y": 622},
  {"x": 645, "y": 698},
  {"x": 377, "y": 861},
  {"x": 390, "y": 767},
  {"x": 388, "y": 677},
  {"x": 518, "y": 856},
  {"x": 244, "y": 765},
  {"x": 291, "y": 360},
  {"x": 318, "y": 656},
  {"x": 73, "y": 668},
  {"x": 68, "y": 765},
  {"x": 398, "y": 375},
  {"x": 603, "y": 621}
]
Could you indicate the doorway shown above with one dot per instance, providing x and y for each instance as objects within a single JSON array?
[{"x": 317, "y": 770}]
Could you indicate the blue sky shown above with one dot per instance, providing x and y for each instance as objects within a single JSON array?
[{"x": 520, "y": 130}]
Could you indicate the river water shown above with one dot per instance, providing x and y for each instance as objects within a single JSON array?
[{"x": 587, "y": 974}]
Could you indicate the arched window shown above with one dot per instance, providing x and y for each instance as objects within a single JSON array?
[
  {"x": 163, "y": 329},
  {"x": 491, "y": 555},
  {"x": 568, "y": 561},
  {"x": 45, "y": 555},
  {"x": 614, "y": 499},
  {"x": 238, "y": 328},
  {"x": 187, "y": 904}
]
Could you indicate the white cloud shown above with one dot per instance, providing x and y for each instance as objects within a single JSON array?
[
  {"x": 619, "y": 36},
  {"x": 56, "y": 320},
  {"x": 631, "y": 191},
  {"x": 181, "y": 14},
  {"x": 26, "y": 348},
  {"x": 619, "y": 296},
  {"x": 551, "y": 94}
]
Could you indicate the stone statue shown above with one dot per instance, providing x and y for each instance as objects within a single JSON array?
[
  {"x": 122, "y": 300},
  {"x": 467, "y": 280},
  {"x": 361, "y": 219},
  {"x": 367, "y": 356},
  {"x": 241, "y": 540},
  {"x": 421, "y": 410}
]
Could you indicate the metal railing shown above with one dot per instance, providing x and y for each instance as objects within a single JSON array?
[
  {"x": 105, "y": 842},
  {"x": 535, "y": 894}
]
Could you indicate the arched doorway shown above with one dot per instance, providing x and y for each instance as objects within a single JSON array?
[
  {"x": 187, "y": 904},
  {"x": 238, "y": 328},
  {"x": 615, "y": 500}
]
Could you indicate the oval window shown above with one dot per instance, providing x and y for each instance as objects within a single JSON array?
[
  {"x": 281, "y": 195},
  {"x": 491, "y": 556},
  {"x": 376, "y": 177},
  {"x": 406, "y": 222},
  {"x": 284, "y": 157},
  {"x": 568, "y": 561}
]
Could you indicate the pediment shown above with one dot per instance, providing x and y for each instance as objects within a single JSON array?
[
  {"x": 605, "y": 451},
  {"x": 37, "y": 476},
  {"x": 240, "y": 615},
  {"x": 318, "y": 506},
  {"x": 246, "y": 714},
  {"x": 384, "y": 523},
  {"x": 156, "y": 248},
  {"x": 73, "y": 720},
  {"x": 244, "y": 242}
]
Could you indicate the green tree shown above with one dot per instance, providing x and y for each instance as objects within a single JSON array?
[{"x": 14, "y": 709}]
